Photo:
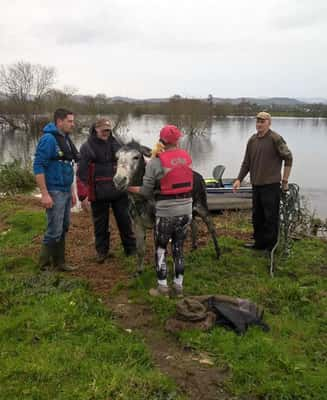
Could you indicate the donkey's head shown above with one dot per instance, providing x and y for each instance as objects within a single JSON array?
[{"x": 130, "y": 165}]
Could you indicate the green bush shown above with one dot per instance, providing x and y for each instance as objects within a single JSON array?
[{"x": 16, "y": 179}]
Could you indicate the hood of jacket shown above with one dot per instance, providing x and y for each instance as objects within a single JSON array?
[
  {"x": 50, "y": 128},
  {"x": 93, "y": 135}
]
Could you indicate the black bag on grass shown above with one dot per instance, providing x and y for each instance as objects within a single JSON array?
[
  {"x": 238, "y": 315},
  {"x": 230, "y": 312}
]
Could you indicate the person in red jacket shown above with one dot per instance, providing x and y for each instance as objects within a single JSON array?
[{"x": 169, "y": 179}]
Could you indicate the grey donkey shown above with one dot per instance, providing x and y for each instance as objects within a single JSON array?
[{"x": 130, "y": 171}]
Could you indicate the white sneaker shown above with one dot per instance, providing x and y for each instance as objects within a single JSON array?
[{"x": 177, "y": 290}]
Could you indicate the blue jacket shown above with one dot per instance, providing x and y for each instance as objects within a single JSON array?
[{"x": 59, "y": 175}]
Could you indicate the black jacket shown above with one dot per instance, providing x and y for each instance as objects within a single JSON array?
[{"x": 97, "y": 165}]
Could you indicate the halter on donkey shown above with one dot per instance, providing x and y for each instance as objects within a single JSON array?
[{"x": 130, "y": 172}]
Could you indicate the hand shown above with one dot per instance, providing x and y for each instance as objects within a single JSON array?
[
  {"x": 74, "y": 200},
  {"x": 134, "y": 189},
  {"x": 284, "y": 186},
  {"x": 236, "y": 185},
  {"x": 86, "y": 205},
  {"x": 46, "y": 200}
]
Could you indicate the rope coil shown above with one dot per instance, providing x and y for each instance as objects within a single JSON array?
[{"x": 289, "y": 217}]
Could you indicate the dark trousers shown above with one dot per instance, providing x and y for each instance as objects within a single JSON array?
[
  {"x": 174, "y": 228},
  {"x": 265, "y": 217},
  {"x": 100, "y": 214}
]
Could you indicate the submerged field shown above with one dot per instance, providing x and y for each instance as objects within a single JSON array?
[{"x": 62, "y": 337}]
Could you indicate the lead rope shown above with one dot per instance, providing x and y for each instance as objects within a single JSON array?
[
  {"x": 134, "y": 209},
  {"x": 132, "y": 205},
  {"x": 289, "y": 217}
]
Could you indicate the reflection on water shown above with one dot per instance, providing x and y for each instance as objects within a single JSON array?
[
  {"x": 16, "y": 145},
  {"x": 199, "y": 147},
  {"x": 225, "y": 144}
]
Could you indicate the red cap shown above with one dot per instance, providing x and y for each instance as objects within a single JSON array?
[{"x": 170, "y": 134}]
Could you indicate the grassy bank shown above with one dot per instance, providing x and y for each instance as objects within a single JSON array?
[
  {"x": 57, "y": 340},
  {"x": 289, "y": 362}
]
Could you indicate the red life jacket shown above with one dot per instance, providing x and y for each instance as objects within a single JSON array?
[{"x": 178, "y": 179}]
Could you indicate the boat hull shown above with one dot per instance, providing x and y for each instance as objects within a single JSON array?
[{"x": 223, "y": 198}]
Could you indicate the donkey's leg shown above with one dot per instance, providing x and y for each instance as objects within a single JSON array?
[
  {"x": 194, "y": 233},
  {"x": 140, "y": 233},
  {"x": 206, "y": 217}
]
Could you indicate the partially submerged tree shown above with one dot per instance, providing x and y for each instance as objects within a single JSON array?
[
  {"x": 25, "y": 86},
  {"x": 56, "y": 98},
  {"x": 190, "y": 115},
  {"x": 120, "y": 125},
  {"x": 193, "y": 117}
]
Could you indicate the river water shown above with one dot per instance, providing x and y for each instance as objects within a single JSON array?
[{"x": 224, "y": 143}]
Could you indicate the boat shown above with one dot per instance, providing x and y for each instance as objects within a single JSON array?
[{"x": 220, "y": 193}]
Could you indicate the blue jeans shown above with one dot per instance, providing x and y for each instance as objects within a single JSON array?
[{"x": 58, "y": 217}]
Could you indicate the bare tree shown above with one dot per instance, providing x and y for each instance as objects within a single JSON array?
[
  {"x": 56, "y": 98},
  {"x": 193, "y": 117},
  {"x": 120, "y": 124},
  {"x": 25, "y": 85}
]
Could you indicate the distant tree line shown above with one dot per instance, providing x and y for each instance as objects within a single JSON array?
[{"x": 28, "y": 96}]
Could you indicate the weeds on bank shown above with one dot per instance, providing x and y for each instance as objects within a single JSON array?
[
  {"x": 14, "y": 178},
  {"x": 59, "y": 341}
]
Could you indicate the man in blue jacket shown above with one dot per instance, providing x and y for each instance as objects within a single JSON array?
[{"x": 53, "y": 168}]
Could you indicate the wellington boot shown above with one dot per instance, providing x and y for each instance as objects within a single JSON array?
[
  {"x": 45, "y": 257},
  {"x": 59, "y": 257},
  {"x": 100, "y": 258}
]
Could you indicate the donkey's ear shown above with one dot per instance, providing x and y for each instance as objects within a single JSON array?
[{"x": 146, "y": 151}]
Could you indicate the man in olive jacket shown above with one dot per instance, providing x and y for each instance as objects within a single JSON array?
[{"x": 265, "y": 152}]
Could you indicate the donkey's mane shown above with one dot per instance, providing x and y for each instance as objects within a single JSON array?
[{"x": 132, "y": 145}]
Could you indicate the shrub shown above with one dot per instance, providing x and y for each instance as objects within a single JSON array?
[{"x": 14, "y": 178}]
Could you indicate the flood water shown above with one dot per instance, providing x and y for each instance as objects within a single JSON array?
[{"x": 224, "y": 144}]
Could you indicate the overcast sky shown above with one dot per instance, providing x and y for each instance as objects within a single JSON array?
[{"x": 144, "y": 48}]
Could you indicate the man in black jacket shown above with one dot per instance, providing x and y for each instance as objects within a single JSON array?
[{"x": 96, "y": 169}]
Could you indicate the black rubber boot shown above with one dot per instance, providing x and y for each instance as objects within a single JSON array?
[
  {"x": 59, "y": 257},
  {"x": 100, "y": 258},
  {"x": 45, "y": 257},
  {"x": 130, "y": 251}
]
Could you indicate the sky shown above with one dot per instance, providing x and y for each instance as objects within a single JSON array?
[{"x": 146, "y": 49}]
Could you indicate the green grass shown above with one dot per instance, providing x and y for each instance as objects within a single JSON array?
[
  {"x": 24, "y": 226},
  {"x": 287, "y": 363},
  {"x": 57, "y": 340}
]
